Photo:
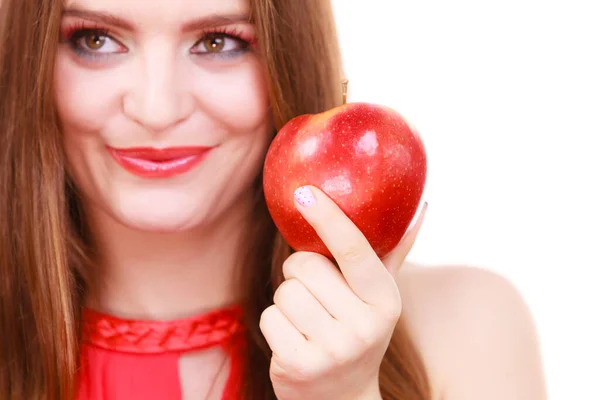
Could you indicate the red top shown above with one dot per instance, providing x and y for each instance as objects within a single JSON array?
[{"x": 127, "y": 359}]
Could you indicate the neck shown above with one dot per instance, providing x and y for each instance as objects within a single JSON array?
[{"x": 161, "y": 276}]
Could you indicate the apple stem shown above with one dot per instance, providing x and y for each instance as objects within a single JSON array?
[{"x": 344, "y": 91}]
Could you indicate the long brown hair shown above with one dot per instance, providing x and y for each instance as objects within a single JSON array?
[{"x": 41, "y": 232}]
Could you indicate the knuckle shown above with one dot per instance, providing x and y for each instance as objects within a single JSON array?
[
  {"x": 267, "y": 316},
  {"x": 354, "y": 252},
  {"x": 367, "y": 335},
  {"x": 341, "y": 352},
  {"x": 300, "y": 261},
  {"x": 395, "y": 312},
  {"x": 291, "y": 263},
  {"x": 287, "y": 292},
  {"x": 277, "y": 372},
  {"x": 390, "y": 314}
]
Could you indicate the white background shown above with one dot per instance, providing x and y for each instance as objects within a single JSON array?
[{"x": 506, "y": 95}]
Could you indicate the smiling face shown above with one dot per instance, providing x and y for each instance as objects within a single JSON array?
[{"x": 164, "y": 108}]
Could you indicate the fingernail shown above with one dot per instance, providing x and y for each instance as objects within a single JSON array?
[{"x": 304, "y": 196}]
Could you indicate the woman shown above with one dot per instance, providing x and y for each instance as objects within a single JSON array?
[{"x": 129, "y": 272}]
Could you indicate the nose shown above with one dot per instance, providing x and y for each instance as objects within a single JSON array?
[{"x": 157, "y": 97}]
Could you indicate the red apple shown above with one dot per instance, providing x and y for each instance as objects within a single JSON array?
[{"x": 366, "y": 157}]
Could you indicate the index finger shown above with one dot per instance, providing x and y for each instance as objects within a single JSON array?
[{"x": 360, "y": 265}]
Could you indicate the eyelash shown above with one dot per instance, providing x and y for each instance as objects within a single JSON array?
[{"x": 73, "y": 33}]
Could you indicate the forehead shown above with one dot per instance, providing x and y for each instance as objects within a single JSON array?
[{"x": 161, "y": 12}]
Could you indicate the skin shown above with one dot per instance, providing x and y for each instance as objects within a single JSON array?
[
  {"x": 148, "y": 90},
  {"x": 169, "y": 246},
  {"x": 475, "y": 332}
]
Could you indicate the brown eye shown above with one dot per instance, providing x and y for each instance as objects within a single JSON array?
[
  {"x": 214, "y": 43},
  {"x": 219, "y": 44},
  {"x": 88, "y": 42},
  {"x": 95, "y": 41}
]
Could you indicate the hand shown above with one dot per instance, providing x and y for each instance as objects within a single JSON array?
[{"x": 330, "y": 328}]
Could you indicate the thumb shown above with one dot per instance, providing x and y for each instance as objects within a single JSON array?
[{"x": 394, "y": 260}]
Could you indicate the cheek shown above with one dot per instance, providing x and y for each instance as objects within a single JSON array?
[
  {"x": 237, "y": 97},
  {"x": 85, "y": 98}
]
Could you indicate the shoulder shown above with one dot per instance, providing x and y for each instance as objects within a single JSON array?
[{"x": 475, "y": 332}]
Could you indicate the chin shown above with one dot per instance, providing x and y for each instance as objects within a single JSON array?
[
  {"x": 162, "y": 214},
  {"x": 159, "y": 223}
]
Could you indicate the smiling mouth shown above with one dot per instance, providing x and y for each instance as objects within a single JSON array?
[{"x": 148, "y": 162}]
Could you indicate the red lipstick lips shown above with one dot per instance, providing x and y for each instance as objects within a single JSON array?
[{"x": 147, "y": 162}]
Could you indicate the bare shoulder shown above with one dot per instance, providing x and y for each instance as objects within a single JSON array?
[{"x": 475, "y": 332}]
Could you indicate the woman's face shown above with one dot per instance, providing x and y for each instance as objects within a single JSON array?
[{"x": 164, "y": 108}]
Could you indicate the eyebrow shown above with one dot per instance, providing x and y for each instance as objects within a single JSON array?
[{"x": 202, "y": 23}]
